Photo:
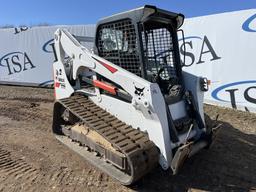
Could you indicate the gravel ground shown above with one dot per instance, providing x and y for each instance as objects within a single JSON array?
[{"x": 31, "y": 159}]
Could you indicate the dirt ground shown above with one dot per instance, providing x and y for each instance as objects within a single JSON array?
[{"x": 31, "y": 159}]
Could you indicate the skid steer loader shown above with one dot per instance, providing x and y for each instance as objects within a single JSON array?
[{"x": 127, "y": 105}]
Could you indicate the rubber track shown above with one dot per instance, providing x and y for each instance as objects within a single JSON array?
[{"x": 134, "y": 144}]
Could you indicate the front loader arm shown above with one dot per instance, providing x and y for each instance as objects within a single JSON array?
[{"x": 65, "y": 43}]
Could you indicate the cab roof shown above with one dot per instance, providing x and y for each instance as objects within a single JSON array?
[{"x": 143, "y": 14}]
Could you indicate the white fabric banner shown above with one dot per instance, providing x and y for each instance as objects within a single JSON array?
[
  {"x": 222, "y": 47},
  {"x": 26, "y": 54}
]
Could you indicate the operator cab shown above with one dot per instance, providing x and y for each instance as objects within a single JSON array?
[{"x": 144, "y": 42}]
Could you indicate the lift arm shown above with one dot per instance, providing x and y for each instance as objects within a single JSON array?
[{"x": 65, "y": 43}]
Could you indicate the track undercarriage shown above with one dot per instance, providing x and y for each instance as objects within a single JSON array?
[{"x": 121, "y": 151}]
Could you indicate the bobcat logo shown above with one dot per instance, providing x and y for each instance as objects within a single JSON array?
[{"x": 139, "y": 91}]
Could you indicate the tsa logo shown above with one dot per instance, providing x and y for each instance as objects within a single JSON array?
[
  {"x": 16, "y": 62},
  {"x": 250, "y": 24}
]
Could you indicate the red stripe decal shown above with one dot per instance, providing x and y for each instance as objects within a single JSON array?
[
  {"x": 111, "y": 69},
  {"x": 57, "y": 84},
  {"x": 104, "y": 86}
]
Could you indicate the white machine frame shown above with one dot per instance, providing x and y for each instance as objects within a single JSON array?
[{"x": 147, "y": 111}]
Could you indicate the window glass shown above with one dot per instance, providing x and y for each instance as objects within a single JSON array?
[{"x": 114, "y": 40}]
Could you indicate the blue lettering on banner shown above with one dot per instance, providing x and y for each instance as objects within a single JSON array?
[
  {"x": 49, "y": 46},
  {"x": 46, "y": 83},
  {"x": 232, "y": 89},
  {"x": 192, "y": 37},
  {"x": 16, "y": 62},
  {"x": 246, "y": 24},
  {"x": 18, "y": 30},
  {"x": 206, "y": 48}
]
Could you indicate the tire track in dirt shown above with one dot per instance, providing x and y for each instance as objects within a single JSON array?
[
  {"x": 18, "y": 175},
  {"x": 23, "y": 111},
  {"x": 14, "y": 169}
]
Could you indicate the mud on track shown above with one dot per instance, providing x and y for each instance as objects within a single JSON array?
[{"x": 31, "y": 159}]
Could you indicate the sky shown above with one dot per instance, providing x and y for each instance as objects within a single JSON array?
[{"x": 58, "y": 12}]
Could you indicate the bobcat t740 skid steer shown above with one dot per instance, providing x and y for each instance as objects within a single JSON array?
[{"x": 127, "y": 105}]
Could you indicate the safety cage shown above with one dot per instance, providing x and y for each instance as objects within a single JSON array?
[
  {"x": 158, "y": 51},
  {"x": 146, "y": 46},
  {"x": 117, "y": 43}
]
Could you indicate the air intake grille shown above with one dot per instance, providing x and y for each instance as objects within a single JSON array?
[
  {"x": 117, "y": 43},
  {"x": 159, "y": 52}
]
